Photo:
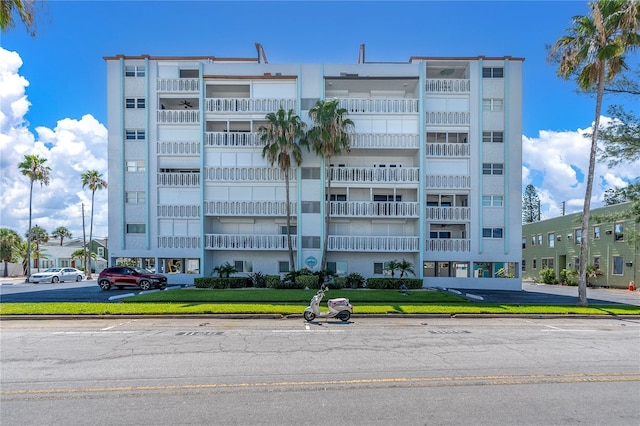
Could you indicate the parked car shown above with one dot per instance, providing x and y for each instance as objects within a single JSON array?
[
  {"x": 54, "y": 275},
  {"x": 121, "y": 276}
]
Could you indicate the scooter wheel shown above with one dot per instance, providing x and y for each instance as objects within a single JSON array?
[
  {"x": 344, "y": 315},
  {"x": 309, "y": 316}
]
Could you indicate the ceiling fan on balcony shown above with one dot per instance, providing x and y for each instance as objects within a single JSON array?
[{"x": 186, "y": 104}]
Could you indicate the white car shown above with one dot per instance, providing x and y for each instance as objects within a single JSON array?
[{"x": 54, "y": 275}]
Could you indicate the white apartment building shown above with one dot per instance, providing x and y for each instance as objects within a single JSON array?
[{"x": 433, "y": 175}]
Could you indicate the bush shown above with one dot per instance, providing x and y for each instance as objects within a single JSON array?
[
  {"x": 548, "y": 276},
  {"x": 218, "y": 283},
  {"x": 272, "y": 281},
  {"x": 307, "y": 281},
  {"x": 393, "y": 283},
  {"x": 258, "y": 280},
  {"x": 355, "y": 280},
  {"x": 568, "y": 276}
]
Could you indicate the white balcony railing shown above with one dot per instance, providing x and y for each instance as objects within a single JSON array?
[
  {"x": 448, "y": 85},
  {"x": 178, "y": 116},
  {"x": 178, "y": 148},
  {"x": 179, "y": 242},
  {"x": 248, "y": 208},
  {"x": 373, "y": 209},
  {"x": 448, "y": 244},
  {"x": 178, "y": 85},
  {"x": 379, "y": 106},
  {"x": 178, "y": 179},
  {"x": 179, "y": 211},
  {"x": 247, "y": 242},
  {"x": 373, "y": 244},
  {"x": 248, "y": 105},
  {"x": 248, "y": 139},
  {"x": 385, "y": 140},
  {"x": 448, "y": 150},
  {"x": 375, "y": 174},
  {"x": 448, "y": 118},
  {"x": 448, "y": 213},
  {"x": 247, "y": 174},
  {"x": 448, "y": 182}
]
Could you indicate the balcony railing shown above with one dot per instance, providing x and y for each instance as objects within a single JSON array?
[
  {"x": 178, "y": 85},
  {"x": 179, "y": 242},
  {"x": 379, "y": 106},
  {"x": 448, "y": 182},
  {"x": 448, "y": 118},
  {"x": 448, "y": 244},
  {"x": 448, "y": 85},
  {"x": 178, "y": 179},
  {"x": 373, "y": 244},
  {"x": 178, "y": 148},
  {"x": 247, "y": 139},
  {"x": 247, "y": 242},
  {"x": 247, "y": 174},
  {"x": 448, "y": 150},
  {"x": 178, "y": 116},
  {"x": 385, "y": 140},
  {"x": 248, "y": 105},
  {"x": 375, "y": 174},
  {"x": 248, "y": 208},
  {"x": 180, "y": 211},
  {"x": 373, "y": 209},
  {"x": 448, "y": 213}
]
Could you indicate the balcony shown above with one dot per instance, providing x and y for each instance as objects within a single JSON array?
[
  {"x": 373, "y": 209},
  {"x": 177, "y": 116},
  {"x": 178, "y": 148},
  {"x": 448, "y": 213},
  {"x": 448, "y": 118},
  {"x": 178, "y": 85},
  {"x": 379, "y": 106},
  {"x": 385, "y": 141},
  {"x": 375, "y": 174},
  {"x": 249, "y": 105},
  {"x": 448, "y": 182},
  {"x": 247, "y": 174},
  {"x": 448, "y": 85},
  {"x": 179, "y": 242},
  {"x": 178, "y": 211},
  {"x": 448, "y": 150},
  {"x": 247, "y": 139},
  {"x": 248, "y": 208},
  {"x": 448, "y": 244},
  {"x": 178, "y": 179},
  {"x": 373, "y": 244},
  {"x": 247, "y": 242}
]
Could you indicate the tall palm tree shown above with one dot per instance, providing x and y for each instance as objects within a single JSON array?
[
  {"x": 594, "y": 52},
  {"x": 62, "y": 233},
  {"x": 9, "y": 240},
  {"x": 329, "y": 136},
  {"x": 405, "y": 267},
  {"x": 37, "y": 236},
  {"x": 25, "y": 9},
  {"x": 282, "y": 136},
  {"x": 33, "y": 167},
  {"x": 94, "y": 180}
]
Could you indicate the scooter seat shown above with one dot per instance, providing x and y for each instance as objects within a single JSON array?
[{"x": 338, "y": 301}]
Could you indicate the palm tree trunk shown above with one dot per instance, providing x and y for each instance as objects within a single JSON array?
[
  {"x": 93, "y": 193},
  {"x": 584, "y": 242},
  {"x": 292, "y": 266},
  {"x": 327, "y": 218},
  {"x": 28, "y": 270}
]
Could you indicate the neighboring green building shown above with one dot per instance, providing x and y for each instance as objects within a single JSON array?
[{"x": 555, "y": 243}]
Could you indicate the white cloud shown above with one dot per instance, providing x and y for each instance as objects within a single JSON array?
[{"x": 71, "y": 148}]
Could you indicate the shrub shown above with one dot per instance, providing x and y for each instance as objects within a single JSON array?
[
  {"x": 548, "y": 276},
  {"x": 340, "y": 282},
  {"x": 355, "y": 280},
  {"x": 393, "y": 283},
  {"x": 307, "y": 281},
  {"x": 218, "y": 283},
  {"x": 258, "y": 279},
  {"x": 272, "y": 281},
  {"x": 568, "y": 276}
]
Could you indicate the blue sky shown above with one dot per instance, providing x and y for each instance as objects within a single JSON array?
[{"x": 59, "y": 77}]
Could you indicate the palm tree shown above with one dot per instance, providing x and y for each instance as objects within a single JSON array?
[
  {"x": 37, "y": 236},
  {"x": 62, "y": 233},
  {"x": 392, "y": 266},
  {"x": 225, "y": 270},
  {"x": 329, "y": 136},
  {"x": 594, "y": 52},
  {"x": 25, "y": 9},
  {"x": 33, "y": 167},
  {"x": 406, "y": 267},
  {"x": 9, "y": 240},
  {"x": 282, "y": 137},
  {"x": 95, "y": 182}
]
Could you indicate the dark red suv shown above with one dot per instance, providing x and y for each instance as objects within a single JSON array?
[{"x": 121, "y": 276}]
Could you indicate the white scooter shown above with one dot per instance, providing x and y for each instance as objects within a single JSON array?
[{"x": 338, "y": 308}]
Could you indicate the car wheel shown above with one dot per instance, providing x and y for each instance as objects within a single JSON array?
[
  {"x": 54, "y": 280},
  {"x": 145, "y": 285},
  {"x": 104, "y": 284},
  {"x": 79, "y": 278}
]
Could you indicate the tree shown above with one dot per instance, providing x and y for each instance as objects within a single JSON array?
[
  {"x": 94, "y": 180},
  {"x": 62, "y": 233},
  {"x": 282, "y": 137},
  {"x": 83, "y": 255},
  {"x": 593, "y": 51},
  {"x": 33, "y": 167},
  {"x": 37, "y": 236},
  {"x": 329, "y": 136},
  {"x": 24, "y": 9},
  {"x": 225, "y": 270},
  {"x": 392, "y": 266},
  {"x": 621, "y": 138},
  {"x": 405, "y": 267},
  {"x": 530, "y": 205},
  {"x": 9, "y": 241}
]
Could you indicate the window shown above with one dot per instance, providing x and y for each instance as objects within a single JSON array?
[
  {"x": 447, "y": 137},
  {"x": 539, "y": 239},
  {"x": 310, "y": 172},
  {"x": 293, "y": 229},
  {"x": 535, "y": 264},
  {"x": 310, "y": 206},
  {"x": 101, "y": 251},
  {"x": 578, "y": 234},
  {"x": 492, "y": 200},
  {"x": 618, "y": 262},
  {"x": 533, "y": 240},
  {"x": 596, "y": 232},
  {"x": 618, "y": 232},
  {"x": 283, "y": 267},
  {"x": 492, "y": 72},
  {"x": 134, "y": 103},
  {"x": 440, "y": 234},
  {"x": 135, "y": 228},
  {"x": 524, "y": 265},
  {"x": 576, "y": 263},
  {"x": 243, "y": 265},
  {"x": 134, "y": 71},
  {"x": 492, "y": 104},
  {"x": 338, "y": 268},
  {"x": 491, "y": 232},
  {"x": 135, "y": 166},
  {"x": 134, "y": 134},
  {"x": 310, "y": 242},
  {"x": 547, "y": 262},
  {"x": 492, "y": 168},
  {"x": 596, "y": 262},
  {"x": 497, "y": 137},
  {"x": 378, "y": 268},
  {"x": 551, "y": 239},
  {"x": 135, "y": 197}
]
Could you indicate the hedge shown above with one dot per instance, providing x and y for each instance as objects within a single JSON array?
[
  {"x": 393, "y": 283},
  {"x": 216, "y": 282}
]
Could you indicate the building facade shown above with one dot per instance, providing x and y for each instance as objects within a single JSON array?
[
  {"x": 613, "y": 246},
  {"x": 433, "y": 175}
]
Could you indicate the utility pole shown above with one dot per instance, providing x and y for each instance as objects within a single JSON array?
[{"x": 563, "y": 206}]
